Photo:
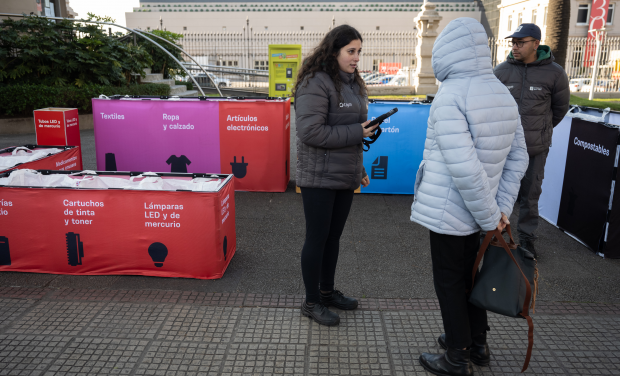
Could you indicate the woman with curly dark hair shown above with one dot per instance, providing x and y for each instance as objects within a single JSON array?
[{"x": 331, "y": 106}]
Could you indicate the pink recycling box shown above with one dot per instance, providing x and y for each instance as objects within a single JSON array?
[{"x": 161, "y": 136}]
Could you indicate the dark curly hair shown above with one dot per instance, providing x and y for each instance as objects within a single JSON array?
[{"x": 323, "y": 58}]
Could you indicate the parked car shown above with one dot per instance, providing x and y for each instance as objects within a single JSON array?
[
  {"x": 220, "y": 82},
  {"x": 576, "y": 84},
  {"x": 363, "y": 75},
  {"x": 373, "y": 76},
  {"x": 382, "y": 80},
  {"x": 398, "y": 81},
  {"x": 601, "y": 85}
]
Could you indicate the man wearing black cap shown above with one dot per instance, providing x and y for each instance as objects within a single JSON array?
[{"x": 540, "y": 88}]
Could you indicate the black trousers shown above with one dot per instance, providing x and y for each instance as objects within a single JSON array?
[
  {"x": 529, "y": 194},
  {"x": 453, "y": 260},
  {"x": 326, "y": 212}
]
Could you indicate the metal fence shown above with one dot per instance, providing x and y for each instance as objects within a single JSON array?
[
  {"x": 249, "y": 49},
  {"x": 579, "y": 70}
]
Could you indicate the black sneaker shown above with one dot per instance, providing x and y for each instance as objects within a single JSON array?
[
  {"x": 529, "y": 245},
  {"x": 319, "y": 313},
  {"x": 338, "y": 300}
]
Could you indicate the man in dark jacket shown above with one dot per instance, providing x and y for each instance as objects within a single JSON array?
[{"x": 540, "y": 88}]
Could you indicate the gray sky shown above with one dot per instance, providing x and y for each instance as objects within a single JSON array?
[{"x": 113, "y": 8}]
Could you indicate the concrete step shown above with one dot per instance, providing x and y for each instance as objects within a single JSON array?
[
  {"x": 168, "y": 81},
  {"x": 175, "y": 89},
  {"x": 189, "y": 93},
  {"x": 153, "y": 77}
]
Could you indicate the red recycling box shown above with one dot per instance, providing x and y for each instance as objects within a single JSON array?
[
  {"x": 79, "y": 231},
  {"x": 70, "y": 158},
  {"x": 57, "y": 126}
]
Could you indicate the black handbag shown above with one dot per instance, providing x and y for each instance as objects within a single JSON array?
[{"x": 507, "y": 283}]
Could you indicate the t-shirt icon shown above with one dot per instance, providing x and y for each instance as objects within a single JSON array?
[{"x": 178, "y": 164}]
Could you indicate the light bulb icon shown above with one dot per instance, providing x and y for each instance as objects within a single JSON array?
[{"x": 158, "y": 253}]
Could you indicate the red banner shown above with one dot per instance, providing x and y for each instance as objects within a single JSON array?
[
  {"x": 389, "y": 68},
  {"x": 254, "y": 144},
  {"x": 102, "y": 232},
  {"x": 70, "y": 159},
  {"x": 598, "y": 19}
]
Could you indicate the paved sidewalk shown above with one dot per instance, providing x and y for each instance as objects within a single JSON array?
[
  {"x": 156, "y": 332},
  {"x": 248, "y": 322}
]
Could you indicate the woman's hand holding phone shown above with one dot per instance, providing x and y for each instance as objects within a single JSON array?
[{"x": 368, "y": 131}]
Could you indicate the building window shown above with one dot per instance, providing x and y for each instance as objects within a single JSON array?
[
  {"x": 301, "y": 28},
  {"x": 378, "y": 28},
  {"x": 375, "y": 64},
  {"x": 184, "y": 28},
  {"x": 261, "y": 64},
  {"x": 519, "y": 19},
  {"x": 545, "y": 17},
  {"x": 583, "y": 14},
  {"x": 509, "y": 22},
  {"x": 610, "y": 15},
  {"x": 534, "y": 14},
  {"x": 266, "y": 27}
]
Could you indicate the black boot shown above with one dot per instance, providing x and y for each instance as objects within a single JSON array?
[
  {"x": 452, "y": 363},
  {"x": 320, "y": 314},
  {"x": 479, "y": 349},
  {"x": 338, "y": 300}
]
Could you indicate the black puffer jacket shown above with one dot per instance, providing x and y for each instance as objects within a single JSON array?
[
  {"x": 542, "y": 93},
  {"x": 329, "y": 133}
]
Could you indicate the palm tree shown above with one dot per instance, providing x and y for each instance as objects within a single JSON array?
[{"x": 558, "y": 22}]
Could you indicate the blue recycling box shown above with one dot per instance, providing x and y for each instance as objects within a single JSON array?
[{"x": 393, "y": 160}]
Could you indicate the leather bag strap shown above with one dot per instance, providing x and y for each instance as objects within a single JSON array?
[
  {"x": 528, "y": 293},
  {"x": 481, "y": 251}
]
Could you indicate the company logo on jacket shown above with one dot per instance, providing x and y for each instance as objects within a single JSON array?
[
  {"x": 532, "y": 88},
  {"x": 346, "y": 104}
]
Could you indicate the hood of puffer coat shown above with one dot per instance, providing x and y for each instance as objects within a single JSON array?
[{"x": 462, "y": 50}]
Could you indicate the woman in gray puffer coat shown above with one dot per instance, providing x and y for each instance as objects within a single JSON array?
[
  {"x": 474, "y": 159},
  {"x": 330, "y": 112}
]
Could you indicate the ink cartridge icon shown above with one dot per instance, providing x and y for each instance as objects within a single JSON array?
[
  {"x": 75, "y": 249},
  {"x": 5, "y": 254}
]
